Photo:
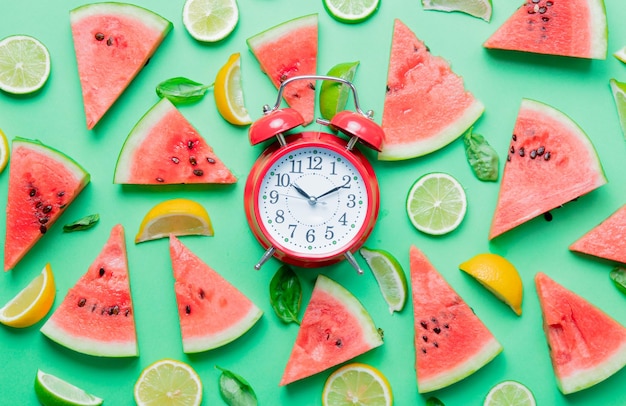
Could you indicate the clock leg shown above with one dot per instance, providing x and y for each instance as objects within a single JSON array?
[
  {"x": 267, "y": 255},
  {"x": 352, "y": 261}
]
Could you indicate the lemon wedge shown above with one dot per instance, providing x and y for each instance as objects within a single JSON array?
[
  {"x": 177, "y": 217},
  {"x": 499, "y": 276},
  {"x": 4, "y": 151},
  {"x": 229, "y": 93},
  {"x": 32, "y": 303}
]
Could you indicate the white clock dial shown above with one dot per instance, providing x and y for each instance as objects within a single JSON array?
[{"x": 313, "y": 201}]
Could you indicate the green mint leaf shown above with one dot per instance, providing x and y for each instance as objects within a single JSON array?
[
  {"x": 235, "y": 390},
  {"x": 481, "y": 156},
  {"x": 433, "y": 401},
  {"x": 618, "y": 276},
  {"x": 286, "y": 294},
  {"x": 82, "y": 224},
  {"x": 180, "y": 90}
]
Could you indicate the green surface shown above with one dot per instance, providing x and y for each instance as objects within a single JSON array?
[{"x": 500, "y": 80}]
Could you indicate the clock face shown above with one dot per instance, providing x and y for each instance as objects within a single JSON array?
[{"x": 313, "y": 201}]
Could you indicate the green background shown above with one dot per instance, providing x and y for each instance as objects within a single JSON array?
[{"x": 499, "y": 79}]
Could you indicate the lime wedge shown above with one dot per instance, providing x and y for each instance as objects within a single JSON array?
[
  {"x": 4, "y": 151},
  {"x": 52, "y": 390},
  {"x": 619, "y": 94},
  {"x": 620, "y": 54},
  {"x": 509, "y": 393},
  {"x": 389, "y": 275},
  {"x": 357, "y": 384},
  {"x": 618, "y": 276},
  {"x": 477, "y": 8},
  {"x": 436, "y": 203},
  {"x": 210, "y": 20},
  {"x": 351, "y": 11},
  {"x": 24, "y": 64},
  {"x": 334, "y": 95}
]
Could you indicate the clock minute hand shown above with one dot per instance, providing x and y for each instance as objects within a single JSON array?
[{"x": 333, "y": 190}]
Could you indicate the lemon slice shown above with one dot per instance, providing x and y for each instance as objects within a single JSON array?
[
  {"x": 620, "y": 54},
  {"x": 509, "y": 393},
  {"x": 24, "y": 64},
  {"x": 168, "y": 382},
  {"x": 177, "y": 217},
  {"x": 210, "y": 20},
  {"x": 389, "y": 275},
  {"x": 351, "y": 11},
  {"x": 4, "y": 151},
  {"x": 229, "y": 93},
  {"x": 436, "y": 203},
  {"x": 357, "y": 384},
  {"x": 499, "y": 276},
  {"x": 52, "y": 390},
  {"x": 32, "y": 303},
  {"x": 477, "y": 8}
]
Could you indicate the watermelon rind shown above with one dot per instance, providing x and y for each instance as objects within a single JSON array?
[
  {"x": 147, "y": 17},
  {"x": 278, "y": 31}
]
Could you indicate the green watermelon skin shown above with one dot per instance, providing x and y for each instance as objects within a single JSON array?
[
  {"x": 586, "y": 345},
  {"x": 96, "y": 316},
  {"x": 606, "y": 240},
  {"x": 42, "y": 183},
  {"x": 451, "y": 342},
  {"x": 113, "y": 42},
  {"x": 550, "y": 162},
  {"x": 573, "y": 28}
]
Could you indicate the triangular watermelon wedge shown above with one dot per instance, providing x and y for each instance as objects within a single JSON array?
[
  {"x": 426, "y": 106},
  {"x": 287, "y": 50},
  {"x": 451, "y": 342},
  {"x": 113, "y": 42},
  {"x": 42, "y": 183},
  {"x": 96, "y": 316},
  {"x": 575, "y": 28},
  {"x": 586, "y": 345},
  {"x": 164, "y": 148},
  {"x": 335, "y": 328},
  {"x": 212, "y": 312},
  {"x": 605, "y": 240},
  {"x": 550, "y": 162}
]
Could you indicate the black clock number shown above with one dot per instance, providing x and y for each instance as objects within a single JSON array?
[
  {"x": 351, "y": 201},
  {"x": 296, "y": 166},
  {"x": 283, "y": 180},
  {"x": 310, "y": 235},
  {"x": 274, "y": 197},
  {"x": 292, "y": 227},
  {"x": 315, "y": 163},
  {"x": 329, "y": 234},
  {"x": 280, "y": 216},
  {"x": 343, "y": 220}
]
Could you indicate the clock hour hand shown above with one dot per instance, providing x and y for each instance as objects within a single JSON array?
[
  {"x": 312, "y": 200},
  {"x": 333, "y": 190}
]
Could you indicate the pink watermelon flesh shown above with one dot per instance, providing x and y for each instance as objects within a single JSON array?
[
  {"x": 164, "y": 148},
  {"x": 605, "y": 240},
  {"x": 96, "y": 316},
  {"x": 335, "y": 328},
  {"x": 451, "y": 342},
  {"x": 212, "y": 312},
  {"x": 287, "y": 50},
  {"x": 113, "y": 42},
  {"x": 575, "y": 28},
  {"x": 586, "y": 345},
  {"x": 426, "y": 106},
  {"x": 42, "y": 183},
  {"x": 550, "y": 162}
]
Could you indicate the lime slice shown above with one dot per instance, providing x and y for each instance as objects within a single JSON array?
[
  {"x": 619, "y": 94},
  {"x": 210, "y": 20},
  {"x": 618, "y": 276},
  {"x": 51, "y": 391},
  {"x": 24, "y": 64},
  {"x": 168, "y": 382},
  {"x": 477, "y": 8},
  {"x": 334, "y": 95},
  {"x": 351, "y": 11},
  {"x": 177, "y": 217},
  {"x": 32, "y": 303},
  {"x": 229, "y": 93},
  {"x": 509, "y": 393},
  {"x": 4, "y": 151},
  {"x": 357, "y": 384},
  {"x": 436, "y": 203},
  {"x": 620, "y": 54},
  {"x": 389, "y": 275}
]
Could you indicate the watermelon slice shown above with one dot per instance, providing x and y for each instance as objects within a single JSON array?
[
  {"x": 586, "y": 345},
  {"x": 42, "y": 183},
  {"x": 113, "y": 42},
  {"x": 212, "y": 312},
  {"x": 335, "y": 328},
  {"x": 426, "y": 106},
  {"x": 551, "y": 161},
  {"x": 451, "y": 342},
  {"x": 605, "y": 240},
  {"x": 96, "y": 317},
  {"x": 286, "y": 50},
  {"x": 164, "y": 148},
  {"x": 575, "y": 28}
]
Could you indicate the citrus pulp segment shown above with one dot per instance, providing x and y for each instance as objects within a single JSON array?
[
  {"x": 334, "y": 95},
  {"x": 357, "y": 384},
  {"x": 499, "y": 276},
  {"x": 229, "y": 93},
  {"x": 619, "y": 95},
  {"x": 477, "y": 8},
  {"x": 4, "y": 151},
  {"x": 210, "y": 20},
  {"x": 168, "y": 382},
  {"x": 177, "y": 217},
  {"x": 351, "y": 11},
  {"x": 389, "y": 275},
  {"x": 24, "y": 64},
  {"x": 52, "y": 390},
  {"x": 509, "y": 393},
  {"x": 436, "y": 203},
  {"x": 32, "y": 303}
]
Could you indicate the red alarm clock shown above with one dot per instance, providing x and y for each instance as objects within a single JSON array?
[{"x": 312, "y": 198}]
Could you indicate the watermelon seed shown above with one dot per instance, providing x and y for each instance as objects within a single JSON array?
[
  {"x": 541, "y": 150},
  {"x": 533, "y": 154},
  {"x": 38, "y": 205},
  {"x": 175, "y": 160},
  {"x": 198, "y": 172},
  {"x": 114, "y": 310},
  {"x": 82, "y": 302},
  {"x": 43, "y": 229},
  {"x": 127, "y": 312},
  {"x": 508, "y": 158},
  {"x": 514, "y": 137},
  {"x": 547, "y": 216},
  {"x": 547, "y": 156},
  {"x": 521, "y": 151},
  {"x": 101, "y": 272},
  {"x": 542, "y": 10},
  {"x": 187, "y": 309},
  {"x": 446, "y": 326},
  {"x": 190, "y": 144},
  {"x": 61, "y": 194},
  {"x": 424, "y": 324},
  {"x": 434, "y": 320},
  {"x": 110, "y": 41},
  {"x": 311, "y": 86},
  {"x": 435, "y": 344},
  {"x": 160, "y": 180},
  {"x": 210, "y": 160},
  {"x": 338, "y": 343},
  {"x": 193, "y": 161},
  {"x": 437, "y": 330},
  {"x": 47, "y": 209},
  {"x": 425, "y": 338},
  {"x": 32, "y": 192},
  {"x": 93, "y": 308},
  {"x": 545, "y": 20},
  {"x": 512, "y": 149},
  {"x": 549, "y": 3},
  {"x": 424, "y": 350},
  {"x": 201, "y": 293},
  {"x": 43, "y": 220},
  {"x": 99, "y": 36}
]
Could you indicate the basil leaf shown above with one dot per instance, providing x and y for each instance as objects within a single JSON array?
[
  {"x": 235, "y": 390},
  {"x": 433, "y": 401},
  {"x": 82, "y": 224},
  {"x": 481, "y": 156},
  {"x": 181, "y": 90},
  {"x": 286, "y": 294}
]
